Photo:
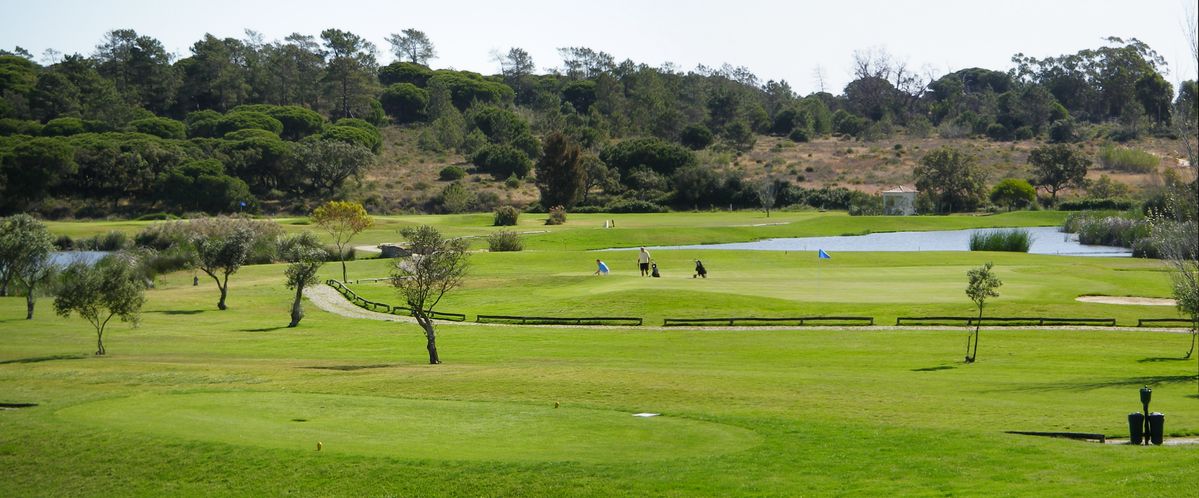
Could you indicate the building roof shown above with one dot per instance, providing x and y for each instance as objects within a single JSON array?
[{"x": 902, "y": 189}]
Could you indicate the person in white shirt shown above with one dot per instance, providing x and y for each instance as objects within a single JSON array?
[{"x": 643, "y": 261}]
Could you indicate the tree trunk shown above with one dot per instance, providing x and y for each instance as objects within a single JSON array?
[
  {"x": 297, "y": 312},
  {"x": 427, "y": 324},
  {"x": 4, "y": 284},
  {"x": 99, "y": 342},
  {"x": 221, "y": 304},
  {"x": 344, "y": 280},
  {"x": 29, "y": 307},
  {"x": 977, "y": 325},
  {"x": 1194, "y": 339}
]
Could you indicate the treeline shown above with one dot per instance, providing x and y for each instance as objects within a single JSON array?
[{"x": 244, "y": 124}]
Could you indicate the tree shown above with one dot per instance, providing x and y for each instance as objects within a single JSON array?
[
  {"x": 305, "y": 257},
  {"x": 405, "y": 102},
  {"x": 560, "y": 173},
  {"x": 1056, "y": 167},
  {"x": 436, "y": 267},
  {"x": 767, "y": 191},
  {"x": 140, "y": 68},
  {"x": 349, "y": 71},
  {"x": 952, "y": 177},
  {"x": 222, "y": 245},
  {"x": 34, "y": 166},
  {"x": 1013, "y": 192},
  {"x": 33, "y": 266},
  {"x": 109, "y": 288},
  {"x": 414, "y": 45},
  {"x": 982, "y": 286},
  {"x": 326, "y": 164},
  {"x": 343, "y": 220}
]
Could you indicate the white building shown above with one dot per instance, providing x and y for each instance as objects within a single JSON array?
[{"x": 899, "y": 201}]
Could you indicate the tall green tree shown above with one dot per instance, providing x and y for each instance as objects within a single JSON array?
[
  {"x": 953, "y": 179},
  {"x": 349, "y": 72},
  {"x": 560, "y": 174},
  {"x": 413, "y": 45},
  {"x": 1056, "y": 167},
  {"x": 437, "y": 266},
  {"x": 111, "y": 288},
  {"x": 326, "y": 164},
  {"x": 25, "y": 247},
  {"x": 982, "y": 285},
  {"x": 140, "y": 67},
  {"x": 223, "y": 245}
]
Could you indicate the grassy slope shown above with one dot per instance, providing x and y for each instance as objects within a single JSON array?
[{"x": 832, "y": 411}]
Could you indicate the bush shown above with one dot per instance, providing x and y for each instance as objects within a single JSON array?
[
  {"x": 1127, "y": 159},
  {"x": 863, "y": 204},
  {"x": 451, "y": 173},
  {"x": 504, "y": 241},
  {"x": 64, "y": 243},
  {"x": 353, "y": 135},
  {"x": 506, "y": 216},
  {"x": 1121, "y": 231},
  {"x": 1001, "y": 240},
  {"x": 696, "y": 137},
  {"x": 998, "y": 132},
  {"x": 111, "y": 241},
  {"x": 557, "y": 216},
  {"x": 633, "y": 206},
  {"x": 502, "y": 161},
  {"x": 1062, "y": 131},
  {"x": 241, "y": 120},
  {"x": 455, "y": 198},
  {"x": 799, "y": 135},
  {"x": 1096, "y": 205},
  {"x": 405, "y": 102}
]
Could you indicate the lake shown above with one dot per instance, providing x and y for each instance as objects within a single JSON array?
[
  {"x": 1045, "y": 240},
  {"x": 64, "y": 258}
]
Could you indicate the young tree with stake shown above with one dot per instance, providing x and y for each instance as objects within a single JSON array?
[
  {"x": 436, "y": 267},
  {"x": 983, "y": 285}
]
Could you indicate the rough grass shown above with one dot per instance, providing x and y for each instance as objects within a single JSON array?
[
  {"x": 201, "y": 402},
  {"x": 1001, "y": 240}
]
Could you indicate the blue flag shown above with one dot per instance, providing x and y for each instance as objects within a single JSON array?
[{"x": 822, "y": 255}]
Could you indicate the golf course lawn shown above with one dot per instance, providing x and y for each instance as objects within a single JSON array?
[{"x": 196, "y": 401}]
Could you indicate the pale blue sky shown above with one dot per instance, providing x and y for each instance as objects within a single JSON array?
[{"x": 776, "y": 40}]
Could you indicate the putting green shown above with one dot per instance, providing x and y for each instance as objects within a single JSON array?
[{"x": 412, "y": 428}]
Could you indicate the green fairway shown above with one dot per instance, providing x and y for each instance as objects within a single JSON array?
[{"x": 197, "y": 401}]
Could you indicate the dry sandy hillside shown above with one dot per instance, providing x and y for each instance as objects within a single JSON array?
[{"x": 406, "y": 177}]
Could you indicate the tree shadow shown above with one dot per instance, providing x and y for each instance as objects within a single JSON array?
[
  {"x": 1102, "y": 384},
  {"x": 1161, "y": 359},
  {"x": 263, "y": 329},
  {"x": 349, "y": 368},
  {"x": 178, "y": 312},
  {"x": 934, "y": 369},
  {"x": 39, "y": 359}
]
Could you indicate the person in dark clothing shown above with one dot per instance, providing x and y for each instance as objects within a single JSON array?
[{"x": 700, "y": 271}]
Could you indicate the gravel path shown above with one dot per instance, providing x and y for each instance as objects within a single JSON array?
[{"x": 328, "y": 299}]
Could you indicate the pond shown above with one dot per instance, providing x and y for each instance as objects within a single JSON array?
[
  {"x": 64, "y": 258},
  {"x": 1045, "y": 240}
]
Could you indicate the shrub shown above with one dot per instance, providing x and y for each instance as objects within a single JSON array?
[
  {"x": 353, "y": 135},
  {"x": 160, "y": 127},
  {"x": 111, "y": 241},
  {"x": 1013, "y": 193},
  {"x": 1127, "y": 159},
  {"x": 451, "y": 173},
  {"x": 405, "y": 102},
  {"x": 557, "y": 216},
  {"x": 1001, "y": 240},
  {"x": 502, "y": 161},
  {"x": 64, "y": 243},
  {"x": 633, "y": 206},
  {"x": 696, "y": 137},
  {"x": 455, "y": 198},
  {"x": 1096, "y": 205},
  {"x": 799, "y": 135},
  {"x": 863, "y": 204},
  {"x": 998, "y": 132},
  {"x": 241, "y": 120},
  {"x": 506, "y": 216},
  {"x": 504, "y": 241},
  {"x": 1121, "y": 231},
  {"x": 1062, "y": 131}
]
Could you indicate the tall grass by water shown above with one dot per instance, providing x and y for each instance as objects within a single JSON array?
[{"x": 1001, "y": 240}]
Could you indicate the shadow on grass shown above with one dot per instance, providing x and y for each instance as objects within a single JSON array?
[
  {"x": 1160, "y": 359},
  {"x": 264, "y": 329},
  {"x": 349, "y": 368},
  {"x": 934, "y": 369},
  {"x": 178, "y": 312},
  {"x": 39, "y": 359},
  {"x": 1130, "y": 382}
]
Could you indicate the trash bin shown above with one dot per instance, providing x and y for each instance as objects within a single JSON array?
[
  {"x": 1157, "y": 426},
  {"x": 1136, "y": 423}
]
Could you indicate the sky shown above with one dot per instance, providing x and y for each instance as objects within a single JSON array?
[{"x": 777, "y": 40}]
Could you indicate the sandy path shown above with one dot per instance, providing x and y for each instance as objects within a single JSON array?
[
  {"x": 1142, "y": 301},
  {"x": 328, "y": 299}
]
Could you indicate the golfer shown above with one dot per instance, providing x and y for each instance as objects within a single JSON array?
[
  {"x": 601, "y": 268},
  {"x": 643, "y": 261},
  {"x": 700, "y": 271}
]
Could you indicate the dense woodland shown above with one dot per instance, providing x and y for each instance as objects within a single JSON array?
[{"x": 245, "y": 125}]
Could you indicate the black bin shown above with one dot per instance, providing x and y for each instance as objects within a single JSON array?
[
  {"x": 1157, "y": 426},
  {"x": 1136, "y": 431}
]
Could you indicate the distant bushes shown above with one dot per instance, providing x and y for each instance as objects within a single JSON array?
[
  {"x": 504, "y": 241},
  {"x": 451, "y": 173},
  {"x": 1001, "y": 240},
  {"x": 1096, "y": 205},
  {"x": 1127, "y": 159},
  {"x": 1121, "y": 231},
  {"x": 557, "y": 216}
]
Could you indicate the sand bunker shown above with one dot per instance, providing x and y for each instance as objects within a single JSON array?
[{"x": 1141, "y": 301}]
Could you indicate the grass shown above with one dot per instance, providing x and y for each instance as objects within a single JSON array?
[
  {"x": 202, "y": 402},
  {"x": 1001, "y": 240},
  {"x": 1127, "y": 159}
]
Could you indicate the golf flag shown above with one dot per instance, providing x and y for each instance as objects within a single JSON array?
[{"x": 822, "y": 255}]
